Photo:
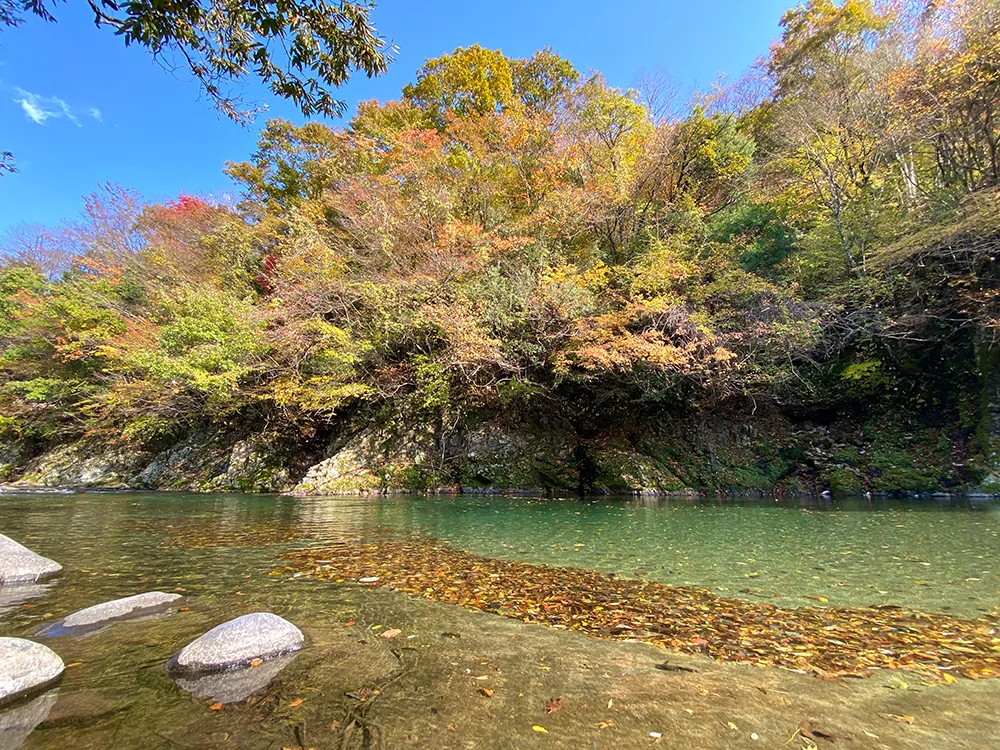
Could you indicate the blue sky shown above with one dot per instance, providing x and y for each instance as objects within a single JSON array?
[{"x": 77, "y": 108}]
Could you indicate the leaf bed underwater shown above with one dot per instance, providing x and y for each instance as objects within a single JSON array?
[{"x": 827, "y": 642}]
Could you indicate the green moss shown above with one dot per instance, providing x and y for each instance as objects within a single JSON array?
[{"x": 844, "y": 481}]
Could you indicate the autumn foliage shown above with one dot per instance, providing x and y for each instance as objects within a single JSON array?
[{"x": 513, "y": 236}]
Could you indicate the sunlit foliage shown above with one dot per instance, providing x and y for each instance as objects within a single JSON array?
[{"x": 512, "y": 236}]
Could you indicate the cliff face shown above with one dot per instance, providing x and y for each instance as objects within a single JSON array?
[{"x": 766, "y": 452}]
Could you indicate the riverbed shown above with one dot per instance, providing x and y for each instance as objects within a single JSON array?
[{"x": 455, "y": 678}]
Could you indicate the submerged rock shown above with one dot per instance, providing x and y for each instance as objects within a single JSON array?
[
  {"x": 26, "y": 666},
  {"x": 18, "y": 564},
  {"x": 234, "y": 685},
  {"x": 18, "y": 722},
  {"x": 237, "y": 643},
  {"x": 102, "y": 615}
]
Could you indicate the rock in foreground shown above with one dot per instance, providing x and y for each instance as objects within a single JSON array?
[
  {"x": 25, "y": 667},
  {"x": 101, "y": 615},
  {"x": 236, "y": 643},
  {"x": 18, "y": 564}
]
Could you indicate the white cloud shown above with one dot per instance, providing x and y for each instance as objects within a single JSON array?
[{"x": 39, "y": 109}]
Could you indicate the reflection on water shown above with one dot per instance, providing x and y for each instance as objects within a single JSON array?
[
  {"x": 220, "y": 551},
  {"x": 236, "y": 684},
  {"x": 18, "y": 722}
]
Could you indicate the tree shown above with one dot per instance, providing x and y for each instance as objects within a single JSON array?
[
  {"x": 300, "y": 49},
  {"x": 475, "y": 80}
]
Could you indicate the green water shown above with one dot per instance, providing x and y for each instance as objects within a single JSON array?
[
  {"x": 919, "y": 554},
  {"x": 220, "y": 550}
]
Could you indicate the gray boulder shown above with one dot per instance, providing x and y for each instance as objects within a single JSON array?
[
  {"x": 102, "y": 615},
  {"x": 234, "y": 685},
  {"x": 18, "y": 722},
  {"x": 237, "y": 643},
  {"x": 26, "y": 667},
  {"x": 18, "y": 564}
]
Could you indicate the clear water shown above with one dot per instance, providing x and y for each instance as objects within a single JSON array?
[
  {"x": 221, "y": 550},
  {"x": 920, "y": 554}
]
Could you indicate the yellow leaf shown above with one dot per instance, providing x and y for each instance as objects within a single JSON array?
[{"x": 543, "y": 730}]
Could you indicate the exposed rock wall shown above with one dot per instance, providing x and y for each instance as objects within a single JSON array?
[{"x": 740, "y": 453}]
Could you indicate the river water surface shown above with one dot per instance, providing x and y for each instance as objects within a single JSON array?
[{"x": 222, "y": 550}]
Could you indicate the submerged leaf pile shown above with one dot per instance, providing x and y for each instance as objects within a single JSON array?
[{"x": 827, "y": 642}]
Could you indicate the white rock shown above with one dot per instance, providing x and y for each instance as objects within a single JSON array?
[
  {"x": 26, "y": 666},
  {"x": 236, "y": 643},
  {"x": 18, "y": 564},
  {"x": 103, "y": 614}
]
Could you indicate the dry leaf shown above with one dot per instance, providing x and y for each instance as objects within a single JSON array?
[
  {"x": 392, "y": 633},
  {"x": 296, "y": 702},
  {"x": 553, "y": 704},
  {"x": 256, "y": 662},
  {"x": 487, "y": 692},
  {"x": 215, "y": 707}
]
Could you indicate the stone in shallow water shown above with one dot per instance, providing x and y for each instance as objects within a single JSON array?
[
  {"x": 102, "y": 615},
  {"x": 18, "y": 564},
  {"x": 26, "y": 666},
  {"x": 234, "y": 685},
  {"x": 18, "y": 722},
  {"x": 236, "y": 643}
]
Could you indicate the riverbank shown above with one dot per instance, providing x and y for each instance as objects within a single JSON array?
[{"x": 759, "y": 455}]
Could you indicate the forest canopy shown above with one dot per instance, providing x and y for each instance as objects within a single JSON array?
[{"x": 514, "y": 235}]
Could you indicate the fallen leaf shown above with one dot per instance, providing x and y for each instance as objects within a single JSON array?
[
  {"x": 821, "y": 599},
  {"x": 903, "y": 718},
  {"x": 553, "y": 704},
  {"x": 215, "y": 707},
  {"x": 74, "y": 664},
  {"x": 541, "y": 729},
  {"x": 391, "y": 633},
  {"x": 604, "y": 725},
  {"x": 348, "y": 623},
  {"x": 296, "y": 702},
  {"x": 256, "y": 662},
  {"x": 487, "y": 692},
  {"x": 732, "y": 726}
]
